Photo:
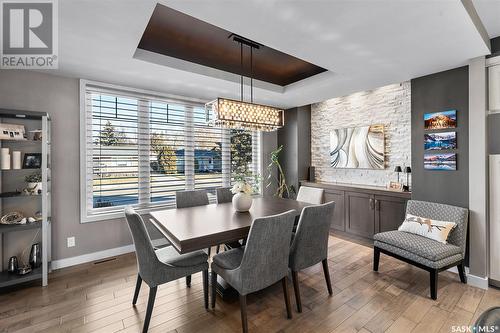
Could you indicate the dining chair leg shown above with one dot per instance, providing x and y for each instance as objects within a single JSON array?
[
  {"x": 209, "y": 251},
  {"x": 284, "y": 281},
  {"x": 295, "y": 280},
  {"x": 137, "y": 288},
  {"x": 188, "y": 281},
  {"x": 327, "y": 276},
  {"x": 205, "y": 287},
  {"x": 243, "y": 308},
  {"x": 149, "y": 310},
  {"x": 376, "y": 258},
  {"x": 214, "y": 287},
  {"x": 217, "y": 249}
]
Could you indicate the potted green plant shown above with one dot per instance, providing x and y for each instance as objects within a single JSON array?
[
  {"x": 282, "y": 189},
  {"x": 34, "y": 181}
]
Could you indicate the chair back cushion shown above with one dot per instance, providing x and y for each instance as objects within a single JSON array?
[
  {"x": 310, "y": 244},
  {"x": 145, "y": 253},
  {"x": 442, "y": 212},
  {"x": 265, "y": 260},
  {"x": 185, "y": 199},
  {"x": 224, "y": 194},
  {"x": 311, "y": 195}
]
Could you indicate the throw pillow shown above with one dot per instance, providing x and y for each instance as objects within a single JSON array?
[{"x": 436, "y": 230}]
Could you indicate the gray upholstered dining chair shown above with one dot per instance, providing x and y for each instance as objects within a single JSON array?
[
  {"x": 311, "y": 195},
  {"x": 191, "y": 198},
  {"x": 259, "y": 264},
  {"x": 224, "y": 194},
  {"x": 310, "y": 244},
  {"x": 187, "y": 199},
  {"x": 157, "y": 267}
]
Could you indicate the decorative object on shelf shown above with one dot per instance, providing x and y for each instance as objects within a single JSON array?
[
  {"x": 398, "y": 170},
  {"x": 23, "y": 270},
  {"x": 311, "y": 174},
  {"x": 406, "y": 188},
  {"x": 34, "y": 183},
  {"x": 37, "y": 135},
  {"x": 440, "y": 141},
  {"x": 32, "y": 161},
  {"x": 12, "y": 218},
  {"x": 282, "y": 189},
  {"x": 358, "y": 147},
  {"x": 35, "y": 256},
  {"x": 16, "y": 160},
  {"x": 242, "y": 198},
  {"x": 440, "y": 162},
  {"x": 440, "y": 120},
  {"x": 228, "y": 113},
  {"x": 12, "y": 132},
  {"x": 395, "y": 186},
  {"x": 5, "y": 158},
  {"x": 13, "y": 265}
]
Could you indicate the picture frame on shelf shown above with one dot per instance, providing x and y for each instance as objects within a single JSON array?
[
  {"x": 32, "y": 161},
  {"x": 395, "y": 186},
  {"x": 12, "y": 132}
]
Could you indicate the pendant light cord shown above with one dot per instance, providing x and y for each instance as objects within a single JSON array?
[
  {"x": 241, "y": 70},
  {"x": 251, "y": 74}
]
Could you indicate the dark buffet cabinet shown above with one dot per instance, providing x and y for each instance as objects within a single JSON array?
[{"x": 364, "y": 210}]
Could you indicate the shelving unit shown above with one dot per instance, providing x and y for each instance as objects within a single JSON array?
[{"x": 12, "y": 181}]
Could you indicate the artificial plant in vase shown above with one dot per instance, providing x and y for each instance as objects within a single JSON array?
[
  {"x": 242, "y": 190},
  {"x": 34, "y": 181},
  {"x": 283, "y": 190}
]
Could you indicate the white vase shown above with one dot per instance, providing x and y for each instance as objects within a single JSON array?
[{"x": 242, "y": 202}]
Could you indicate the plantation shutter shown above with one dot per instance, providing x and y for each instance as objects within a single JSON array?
[{"x": 139, "y": 149}]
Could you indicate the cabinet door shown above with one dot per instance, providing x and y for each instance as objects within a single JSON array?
[
  {"x": 389, "y": 212},
  {"x": 360, "y": 214},
  {"x": 338, "y": 220}
]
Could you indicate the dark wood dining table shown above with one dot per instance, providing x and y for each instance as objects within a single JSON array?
[{"x": 200, "y": 227}]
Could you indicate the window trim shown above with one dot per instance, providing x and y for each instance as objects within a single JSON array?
[{"x": 116, "y": 214}]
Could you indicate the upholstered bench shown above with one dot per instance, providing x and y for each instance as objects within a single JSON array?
[{"x": 425, "y": 253}]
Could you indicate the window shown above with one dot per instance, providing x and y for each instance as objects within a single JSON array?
[{"x": 140, "y": 148}]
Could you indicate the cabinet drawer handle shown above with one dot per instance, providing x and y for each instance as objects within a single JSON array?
[
  {"x": 377, "y": 204},
  {"x": 371, "y": 204}
]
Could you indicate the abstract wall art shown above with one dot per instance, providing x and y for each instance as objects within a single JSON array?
[
  {"x": 440, "y": 120},
  {"x": 440, "y": 141},
  {"x": 440, "y": 162},
  {"x": 358, "y": 147}
]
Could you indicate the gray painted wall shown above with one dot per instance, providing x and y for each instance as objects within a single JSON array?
[
  {"x": 493, "y": 133},
  {"x": 437, "y": 92},
  {"x": 295, "y": 137},
  {"x": 26, "y": 90}
]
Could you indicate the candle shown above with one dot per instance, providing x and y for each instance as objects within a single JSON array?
[{"x": 16, "y": 159}]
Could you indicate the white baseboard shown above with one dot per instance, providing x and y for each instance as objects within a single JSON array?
[
  {"x": 472, "y": 280},
  {"x": 89, "y": 257},
  {"x": 477, "y": 281}
]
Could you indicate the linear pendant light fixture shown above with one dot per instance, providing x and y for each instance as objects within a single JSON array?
[{"x": 229, "y": 113}]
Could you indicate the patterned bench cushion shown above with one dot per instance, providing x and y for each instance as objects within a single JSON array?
[
  {"x": 421, "y": 246},
  {"x": 454, "y": 259}
]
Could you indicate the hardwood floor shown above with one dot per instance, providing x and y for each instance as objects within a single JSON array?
[{"x": 97, "y": 297}]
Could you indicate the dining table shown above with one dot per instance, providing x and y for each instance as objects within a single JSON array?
[{"x": 200, "y": 227}]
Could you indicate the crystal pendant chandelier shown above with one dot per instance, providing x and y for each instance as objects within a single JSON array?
[{"x": 229, "y": 113}]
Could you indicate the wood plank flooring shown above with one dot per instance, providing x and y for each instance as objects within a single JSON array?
[{"x": 96, "y": 297}]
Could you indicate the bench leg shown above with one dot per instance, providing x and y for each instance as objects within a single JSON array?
[
  {"x": 461, "y": 272},
  {"x": 376, "y": 258},
  {"x": 434, "y": 283}
]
